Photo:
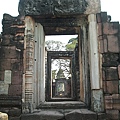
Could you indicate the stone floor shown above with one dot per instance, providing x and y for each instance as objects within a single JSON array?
[
  {"x": 71, "y": 110},
  {"x": 69, "y": 114}
]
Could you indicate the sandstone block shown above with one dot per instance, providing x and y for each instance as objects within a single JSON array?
[
  {"x": 1, "y": 75},
  {"x": 3, "y": 88},
  {"x": 108, "y": 102},
  {"x": 9, "y": 52},
  {"x": 5, "y": 64},
  {"x": 116, "y": 106},
  {"x": 74, "y": 115},
  {"x": 101, "y": 17},
  {"x": 105, "y": 44},
  {"x": 101, "y": 46},
  {"x": 43, "y": 115},
  {"x": 15, "y": 90},
  {"x": 116, "y": 101},
  {"x": 7, "y": 76},
  {"x": 110, "y": 28},
  {"x": 111, "y": 73},
  {"x": 110, "y": 60},
  {"x": 112, "y": 87},
  {"x": 113, "y": 44},
  {"x": 99, "y": 27},
  {"x": 119, "y": 71},
  {"x": 104, "y": 86},
  {"x": 116, "y": 96},
  {"x": 113, "y": 114},
  {"x": 16, "y": 78},
  {"x": 88, "y": 115},
  {"x": 104, "y": 17},
  {"x": 7, "y": 39},
  {"x": 102, "y": 116},
  {"x": 14, "y": 112},
  {"x": 82, "y": 114},
  {"x": 97, "y": 100},
  {"x": 98, "y": 18}
]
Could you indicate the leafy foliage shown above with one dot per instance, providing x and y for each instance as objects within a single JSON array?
[
  {"x": 63, "y": 66},
  {"x": 54, "y": 45},
  {"x": 71, "y": 44}
]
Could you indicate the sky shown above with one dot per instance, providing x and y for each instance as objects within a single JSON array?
[{"x": 112, "y": 7}]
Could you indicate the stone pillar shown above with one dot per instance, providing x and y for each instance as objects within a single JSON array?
[
  {"x": 40, "y": 62},
  {"x": 97, "y": 93},
  {"x": 29, "y": 63}
]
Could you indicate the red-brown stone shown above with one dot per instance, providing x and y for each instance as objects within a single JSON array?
[
  {"x": 112, "y": 87},
  {"x": 9, "y": 52},
  {"x": 119, "y": 71},
  {"x": 99, "y": 29},
  {"x": 1, "y": 75},
  {"x": 108, "y": 102},
  {"x": 15, "y": 90},
  {"x": 98, "y": 17},
  {"x": 111, "y": 73},
  {"x": 101, "y": 46},
  {"x": 105, "y": 44},
  {"x": 16, "y": 78},
  {"x": 113, "y": 44},
  {"x": 110, "y": 28},
  {"x": 113, "y": 114},
  {"x": 5, "y": 64}
]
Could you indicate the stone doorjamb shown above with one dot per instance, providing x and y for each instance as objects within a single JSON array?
[
  {"x": 97, "y": 103},
  {"x": 28, "y": 65},
  {"x": 39, "y": 67},
  {"x": 34, "y": 61}
]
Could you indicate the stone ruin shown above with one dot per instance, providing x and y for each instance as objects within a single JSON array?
[{"x": 25, "y": 92}]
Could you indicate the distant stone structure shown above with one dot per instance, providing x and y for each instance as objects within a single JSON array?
[{"x": 25, "y": 91}]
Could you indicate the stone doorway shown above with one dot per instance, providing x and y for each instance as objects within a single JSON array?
[
  {"x": 81, "y": 74},
  {"x": 60, "y": 83}
]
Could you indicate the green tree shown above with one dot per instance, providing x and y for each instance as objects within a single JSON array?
[
  {"x": 52, "y": 45},
  {"x": 71, "y": 44},
  {"x": 53, "y": 74}
]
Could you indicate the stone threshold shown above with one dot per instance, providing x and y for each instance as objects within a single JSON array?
[
  {"x": 73, "y": 114},
  {"x": 62, "y": 105}
]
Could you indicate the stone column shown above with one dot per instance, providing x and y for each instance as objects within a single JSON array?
[
  {"x": 29, "y": 63},
  {"x": 97, "y": 93},
  {"x": 40, "y": 62}
]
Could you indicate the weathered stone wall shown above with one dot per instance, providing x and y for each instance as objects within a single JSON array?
[
  {"x": 109, "y": 40},
  {"x": 11, "y": 65}
]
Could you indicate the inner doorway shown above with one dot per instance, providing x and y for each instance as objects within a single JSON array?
[{"x": 60, "y": 81}]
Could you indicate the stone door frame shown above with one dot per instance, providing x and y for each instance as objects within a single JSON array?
[{"x": 34, "y": 84}]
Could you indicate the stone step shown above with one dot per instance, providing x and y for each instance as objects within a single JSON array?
[
  {"x": 71, "y": 114},
  {"x": 62, "y": 105}
]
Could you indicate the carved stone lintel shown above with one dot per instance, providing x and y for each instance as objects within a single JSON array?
[{"x": 51, "y": 7}]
